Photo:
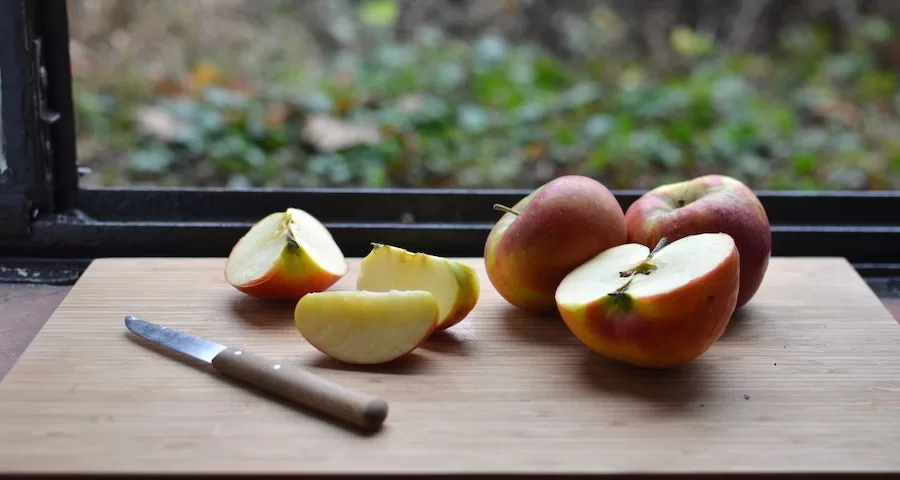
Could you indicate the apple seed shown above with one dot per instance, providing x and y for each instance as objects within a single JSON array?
[{"x": 645, "y": 267}]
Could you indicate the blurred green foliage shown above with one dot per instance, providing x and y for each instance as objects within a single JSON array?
[{"x": 436, "y": 112}]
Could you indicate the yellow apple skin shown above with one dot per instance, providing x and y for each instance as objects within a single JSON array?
[
  {"x": 707, "y": 204},
  {"x": 665, "y": 330},
  {"x": 560, "y": 225},
  {"x": 465, "y": 277},
  {"x": 292, "y": 277},
  {"x": 466, "y": 298}
]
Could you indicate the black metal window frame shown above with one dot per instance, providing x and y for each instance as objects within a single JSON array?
[{"x": 46, "y": 219}]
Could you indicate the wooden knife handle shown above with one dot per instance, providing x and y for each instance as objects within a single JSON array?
[{"x": 302, "y": 387}]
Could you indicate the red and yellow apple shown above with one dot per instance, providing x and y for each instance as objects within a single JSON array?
[
  {"x": 655, "y": 309},
  {"x": 362, "y": 327},
  {"x": 454, "y": 284},
  {"x": 548, "y": 233},
  {"x": 285, "y": 256},
  {"x": 707, "y": 204}
]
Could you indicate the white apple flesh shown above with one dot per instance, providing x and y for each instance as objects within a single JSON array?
[
  {"x": 454, "y": 284},
  {"x": 366, "y": 328},
  {"x": 654, "y": 310},
  {"x": 285, "y": 256}
]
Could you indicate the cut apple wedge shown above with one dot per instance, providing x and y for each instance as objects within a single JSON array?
[
  {"x": 455, "y": 285},
  {"x": 362, "y": 327},
  {"x": 654, "y": 309},
  {"x": 285, "y": 256}
]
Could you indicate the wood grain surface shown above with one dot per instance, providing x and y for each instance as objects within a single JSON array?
[{"x": 806, "y": 379}]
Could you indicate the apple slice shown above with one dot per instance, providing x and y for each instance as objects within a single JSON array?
[
  {"x": 654, "y": 309},
  {"x": 284, "y": 256},
  {"x": 362, "y": 327},
  {"x": 455, "y": 285}
]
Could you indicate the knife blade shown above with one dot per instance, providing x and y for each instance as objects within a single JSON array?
[{"x": 293, "y": 383}]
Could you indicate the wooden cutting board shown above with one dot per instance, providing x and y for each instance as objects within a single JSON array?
[{"x": 806, "y": 379}]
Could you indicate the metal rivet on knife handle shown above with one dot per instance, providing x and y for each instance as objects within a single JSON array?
[{"x": 302, "y": 387}]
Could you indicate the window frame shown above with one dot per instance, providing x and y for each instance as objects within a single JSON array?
[
  {"x": 38, "y": 122},
  {"x": 47, "y": 219}
]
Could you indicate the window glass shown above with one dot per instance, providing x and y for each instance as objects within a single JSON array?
[{"x": 486, "y": 93}]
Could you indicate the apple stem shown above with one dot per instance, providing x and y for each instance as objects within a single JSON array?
[
  {"x": 505, "y": 209},
  {"x": 659, "y": 246}
]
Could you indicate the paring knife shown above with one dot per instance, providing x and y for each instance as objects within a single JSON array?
[{"x": 292, "y": 383}]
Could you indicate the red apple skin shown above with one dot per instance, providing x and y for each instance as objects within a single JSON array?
[
  {"x": 561, "y": 225},
  {"x": 292, "y": 277},
  {"x": 278, "y": 286},
  {"x": 720, "y": 204},
  {"x": 666, "y": 330}
]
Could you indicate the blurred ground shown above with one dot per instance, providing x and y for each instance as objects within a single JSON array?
[{"x": 787, "y": 94}]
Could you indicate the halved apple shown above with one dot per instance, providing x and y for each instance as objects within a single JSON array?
[
  {"x": 362, "y": 327},
  {"x": 654, "y": 309},
  {"x": 454, "y": 284},
  {"x": 285, "y": 256}
]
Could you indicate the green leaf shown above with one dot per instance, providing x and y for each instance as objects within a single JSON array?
[
  {"x": 581, "y": 95},
  {"x": 151, "y": 161},
  {"x": 394, "y": 56},
  {"x": 731, "y": 89},
  {"x": 876, "y": 29},
  {"x": 689, "y": 43},
  {"x": 680, "y": 131},
  {"x": 814, "y": 139},
  {"x": 473, "y": 118},
  {"x": 652, "y": 145},
  {"x": 804, "y": 163},
  {"x": 239, "y": 181},
  {"x": 846, "y": 176},
  {"x": 379, "y": 12},
  {"x": 255, "y": 157},
  {"x": 844, "y": 66},
  {"x": 331, "y": 166},
  {"x": 847, "y": 142},
  {"x": 877, "y": 85},
  {"x": 221, "y": 98},
  {"x": 598, "y": 125},
  {"x": 895, "y": 162},
  {"x": 564, "y": 135},
  {"x": 449, "y": 76},
  {"x": 600, "y": 157},
  {"x": 490, "y": 48}
]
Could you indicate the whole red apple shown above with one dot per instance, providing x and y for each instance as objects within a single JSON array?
[
  {"x": 549, "y": 233},
  {"x": 707, "y": 204}
]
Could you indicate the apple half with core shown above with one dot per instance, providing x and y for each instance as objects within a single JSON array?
[
  {"x": 548, "y": 233},
  {"x": 284, "y": 256},
  {"x": 366, "y": 328},
  {"x": 454, "y": 284},
  {"x": 656, "y": 309},
  {"x": 707, "y": 204}
]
